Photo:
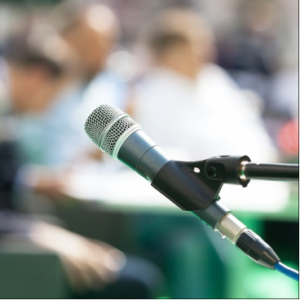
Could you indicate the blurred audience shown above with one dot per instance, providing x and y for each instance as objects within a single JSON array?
[
  {"x": 59, "y": 125},
  {"x": 32, "y": 143},
  {"x": 55, "y": 71}
]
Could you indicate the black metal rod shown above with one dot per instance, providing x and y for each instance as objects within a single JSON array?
[{"x": 280, "y": 172}]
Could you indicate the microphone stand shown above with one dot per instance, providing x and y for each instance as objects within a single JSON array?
[
  {"x": 277, "y": 172},
  {"x": 240, "y": 170}
]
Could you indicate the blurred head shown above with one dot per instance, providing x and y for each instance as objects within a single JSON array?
[
  {"x": 260, "y": 16},
  {"x": 37, "y": 62},
  {"x": 178, "y": 38},
  {"x": 91, "y": 29}
]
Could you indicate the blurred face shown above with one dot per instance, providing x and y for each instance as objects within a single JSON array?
[
  {"x": 30, "y": 88},
  {"x": 93, "y": 38},
  {"x": 198, "y": 48},
  {"x": 262, "y": 16}
]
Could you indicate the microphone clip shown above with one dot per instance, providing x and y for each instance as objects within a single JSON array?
[
  {"x": 228, "y": 169},
  {"x": 196, "y": 185}
]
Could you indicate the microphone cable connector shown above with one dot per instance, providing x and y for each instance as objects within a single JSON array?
[
  {"x": 247, "y": 241},
  {"x": 220, "y": 219}
]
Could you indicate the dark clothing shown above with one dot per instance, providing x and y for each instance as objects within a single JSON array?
[
  {"x": 11, "y": 221},
  {"x": 251, "y": 54},
  {"x": 10, "y": 161}
]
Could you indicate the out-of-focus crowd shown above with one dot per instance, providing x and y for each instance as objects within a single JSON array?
[{"x": 201, "y": 78}]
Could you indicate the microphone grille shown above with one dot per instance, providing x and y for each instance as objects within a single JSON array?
[{"x": 106, "y": 124}]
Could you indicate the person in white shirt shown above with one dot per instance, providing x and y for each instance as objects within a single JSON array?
[{"x": 189, "y": 105}]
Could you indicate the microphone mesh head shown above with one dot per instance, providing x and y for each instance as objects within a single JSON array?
[
  {"x": 107, "y": 118},
  {"x": 115, "y": 133}
]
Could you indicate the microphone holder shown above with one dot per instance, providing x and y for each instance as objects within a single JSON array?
[
  {"x": 194, "y": 186},
  {"x": 240, "y": 170}
]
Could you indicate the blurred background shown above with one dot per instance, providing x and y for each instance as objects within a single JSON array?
[{"x": 203, "y": 78}]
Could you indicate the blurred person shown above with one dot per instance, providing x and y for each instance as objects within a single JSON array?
[
  {"x": 92, "y": 30},
  {"x": 94, "y": 269},
  {"x": 35, "y": 91},
  {"x": 251, "y": 51},
  {"x": 37, "y": 76},
  {"x": 184, "y": 91},
  {"x": 254, "y": 44},
  {"x": 260, "y": 54}
]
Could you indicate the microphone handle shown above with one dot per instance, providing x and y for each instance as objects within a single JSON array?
[{"x": 142, "y": 155}]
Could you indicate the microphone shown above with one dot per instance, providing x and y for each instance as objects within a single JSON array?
[{"x": 115, "y": 133}]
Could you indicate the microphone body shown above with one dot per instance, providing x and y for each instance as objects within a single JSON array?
[
  {"x": 142, "y": 155},
  {"x": 116, "y": 133}
]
